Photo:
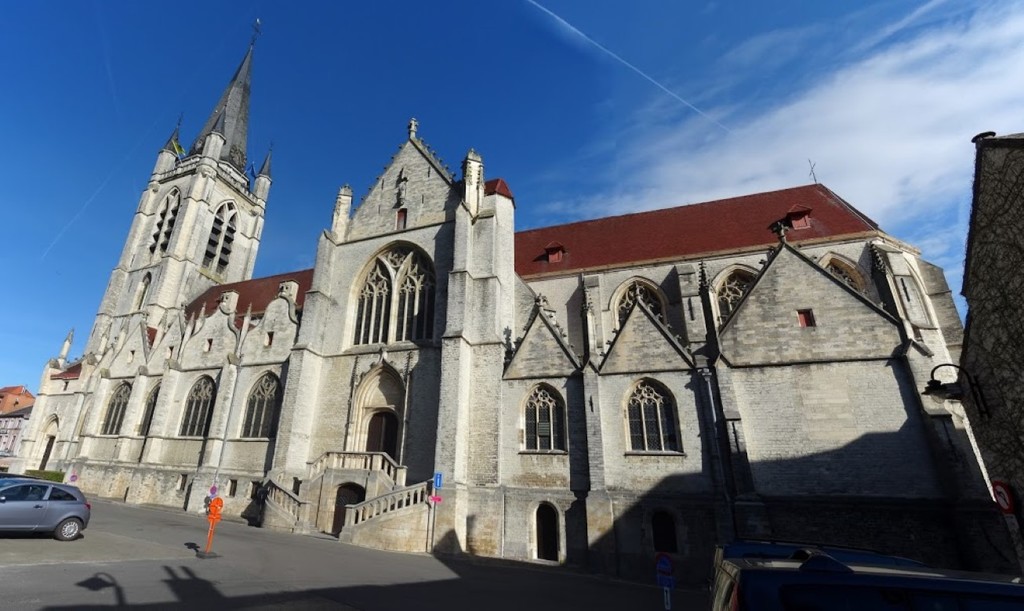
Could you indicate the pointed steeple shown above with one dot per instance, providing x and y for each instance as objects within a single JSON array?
[
  {"x": 169, "y": 145},
  {"x": 265, "y": 168},
  {"x": 230, "y": 117}
]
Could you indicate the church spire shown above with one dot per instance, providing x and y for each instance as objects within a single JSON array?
[
  {"x": 230, "y": 117},
  {"x": 265, "y": 168}
]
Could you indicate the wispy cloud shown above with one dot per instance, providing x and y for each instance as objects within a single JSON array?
[
  {"x": 890, "y": 132},
  {"x": 771, "y": 48},
  {"x": 573, "y": 30}
]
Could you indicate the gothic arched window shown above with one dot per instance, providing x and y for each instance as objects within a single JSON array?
[
  {"x": 222, "y": 235},
  {"x": 198, "y": 408},
  {"x": 262, "y": 408},
  {"x": 165, "y": 218},
  {"x": 396, "y": 302},
  {"x": 116, "y": 408},
  {"x": 545, "y": 420},
  {"x": 142, "y": 292},
  {"x": 732, "y": 289},
  {"x": 147, "y": 415},
  {"x": 639, "y": 291},
  {"x": 652, "y": 419},
  {"x": 846, "y": 273}
]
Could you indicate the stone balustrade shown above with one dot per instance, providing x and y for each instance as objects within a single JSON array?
[
  {"x": 368, "y": 461},
  {"x": 392, "y": 501}
]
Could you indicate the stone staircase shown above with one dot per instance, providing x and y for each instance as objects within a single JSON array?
[{"x": 393, "y": 516}]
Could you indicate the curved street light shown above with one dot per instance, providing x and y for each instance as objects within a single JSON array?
[{"x": 954, "y": 391}]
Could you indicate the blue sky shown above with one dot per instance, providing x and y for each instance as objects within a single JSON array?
[{"x": 585, "y": 108}]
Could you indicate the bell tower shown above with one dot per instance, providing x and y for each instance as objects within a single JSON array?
[{"x": 198, "y": 222}]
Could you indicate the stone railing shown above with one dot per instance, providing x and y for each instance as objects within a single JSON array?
[
  {"x": 386, "y": 503},
  {"x": 291, "y": 504},
  {"x": 367, "y": 461}
]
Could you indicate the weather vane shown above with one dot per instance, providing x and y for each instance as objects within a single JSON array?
[
  {"x": 811, "y": 173},
  {"x": 255, "y": 31}
]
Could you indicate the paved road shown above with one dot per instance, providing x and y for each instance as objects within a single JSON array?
[{"x": 141, "y": 557}]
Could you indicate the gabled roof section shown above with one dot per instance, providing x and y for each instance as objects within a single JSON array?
[
  {"x": 258, "y": 293},
  {"x": 765, "y": 327},
  {"x": 429, "y": 153},
  {"x": 687, "y": 231},
  {"x": 230, "y": 117},
  {"x": 636, "y": 342},
  {"x": 543, "y": 352}
]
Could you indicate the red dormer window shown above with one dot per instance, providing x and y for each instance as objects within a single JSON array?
[
  {"x": 554, "y": 252},
  {"x": 799, "y": 217}
]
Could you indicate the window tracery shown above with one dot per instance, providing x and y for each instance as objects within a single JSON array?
[
  {"x": 652, "y": 417},
  {"x": 263, "y": 407},
  {"x": 115, "y": 409},
  {"x": 198, "y": 408},
  {"x": 732, "y": 290},
  {"x": 846, "y": 274},
  {"x": 639, "y": 291},
  {"x": 545, "y": 420},
  {"x": 387, "y": 315},
  {"x": 222, "y": 237}
]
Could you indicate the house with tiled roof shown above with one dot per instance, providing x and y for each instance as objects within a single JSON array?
[
  {"x": 593, "y": 393},
  {"x": 14, "y": 398}
]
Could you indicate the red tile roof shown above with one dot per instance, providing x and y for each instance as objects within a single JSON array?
[
  {"x": 14, "y": 390},
  {"x": 728, "y": 224},
  {"x": 724, "y": 225},
  {"x": 71, "y": 373},
  {"x": 499, "y": 186},
  {"x": 258, "y": 292}
]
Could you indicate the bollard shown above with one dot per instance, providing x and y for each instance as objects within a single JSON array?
[{"x": 213, "y": 512}]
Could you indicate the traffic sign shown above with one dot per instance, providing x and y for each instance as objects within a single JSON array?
[
  {"x": 1003, "y": 495},
  {"x": 213, "y": 490},
  {"x": 438, "y": 480},
  {"x": 666, "y": 581},
  {"x": 434, "y": 499},
  {"x": 663, "y": 564}
]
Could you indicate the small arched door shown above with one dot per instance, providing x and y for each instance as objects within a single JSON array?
[
  {"x": 547, "y": 532},
  {"x": 382, "y": 434},
  {"x": 348, "y": 494}
]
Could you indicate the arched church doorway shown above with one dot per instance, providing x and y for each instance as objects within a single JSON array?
[
  {"x": 382, "y": 434},
  {"x": 547, "y": 532},
  {"x": 381, "y": 400},
  {"x": 348, "y": 494}
]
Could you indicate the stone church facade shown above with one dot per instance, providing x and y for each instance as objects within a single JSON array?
[{"x": 591, "y": 393}]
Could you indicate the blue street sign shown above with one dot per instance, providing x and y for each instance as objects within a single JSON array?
[
  {"x": 667, "y": 581},
  {"x": 438, "y": 480},
  {"x": 663, "y": 564}
]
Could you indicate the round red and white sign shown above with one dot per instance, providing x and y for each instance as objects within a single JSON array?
[{"x": 1003, "y": 495}]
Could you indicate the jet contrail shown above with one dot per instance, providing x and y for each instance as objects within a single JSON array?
[{"x": 625, "y": 63}]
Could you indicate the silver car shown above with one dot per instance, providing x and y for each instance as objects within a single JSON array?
[{"x": 42, "y": 506}]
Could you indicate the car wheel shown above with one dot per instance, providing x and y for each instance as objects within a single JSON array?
[{"x": 67, "y": 530}]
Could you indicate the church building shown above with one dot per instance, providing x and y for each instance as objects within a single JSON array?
[{"x": 591, "y": 393}]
